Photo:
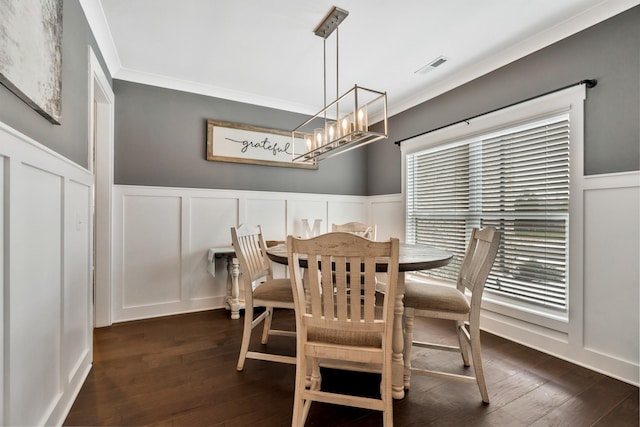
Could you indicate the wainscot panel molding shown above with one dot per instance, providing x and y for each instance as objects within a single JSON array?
[
  {"x": 47, "y": 310},
  {"x": 388, "y": 213},
  {"x": 601, "y": 333},
  {"x": 162, "y": 236},
  {"x": 603, "y": 328}
]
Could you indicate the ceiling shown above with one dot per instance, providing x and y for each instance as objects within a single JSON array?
[{"x": 264, "y": 52}]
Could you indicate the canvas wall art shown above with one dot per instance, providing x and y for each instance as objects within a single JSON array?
[{"x": 31, "y": 53}]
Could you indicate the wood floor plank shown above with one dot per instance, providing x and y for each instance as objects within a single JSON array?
[
  {"x": 180, "y": 371},
  {"x": 551, "y": 394},
  {"x": 588, "y": 407},
  {"x": 624, "y": 414}
]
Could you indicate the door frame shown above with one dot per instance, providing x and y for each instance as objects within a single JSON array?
[{"x": 101, "y": 139}]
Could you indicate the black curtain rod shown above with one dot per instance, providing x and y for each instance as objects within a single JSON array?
[{"x": 589, "y": 83}]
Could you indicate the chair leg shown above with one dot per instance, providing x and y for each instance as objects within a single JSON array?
[
  {"x": 462, "y": 342},
  {"x": 298, "y": 399},
  {"x": 307, "y": 378},
  {"x": 408, "y": 343},
  {"x": 246, "y": 337},
  {"x": 387, "y": 397},
  {"x": 316, "y": 377},
  {"x": 315, "y": 385},
  {"x": 476, "y": 354},
  {"x": 305, "y": 411},
  {"x": 267, "y": 325}
]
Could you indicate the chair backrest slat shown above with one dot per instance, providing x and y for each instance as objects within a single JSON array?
[
  {"x": 313, "y": 283},
  {"x": 340, "y": 287},
  {"x": 478, "y": 260},
  {"x": 343, "y": 258},
  {"x": 369, "y": 296},
  {"x": 250, "y": 249},
  {"x": 367, "y": 231},
  {"x": 327, "y": 287}
]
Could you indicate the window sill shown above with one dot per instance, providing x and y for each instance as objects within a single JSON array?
[{"x": 536, "y": 315}]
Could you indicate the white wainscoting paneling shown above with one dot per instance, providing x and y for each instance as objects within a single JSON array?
[
  {"x": 151, "y": 251},
  {"x": 343, "y": 212},
  {"x": 78, "y": 310},
  {"x": 162, "y": 235},
  {"x": 602, "y": 332},
  {"x": 611, "y": 271},
  {"x": 47, "y": 295},
  {"x": 211, "y": 220},
  {"x": 388, "y": 213},
  {"x": 269, "y": 213},
  {"x": 3, "y": 208},
  {"x": 36, "y": 283}
]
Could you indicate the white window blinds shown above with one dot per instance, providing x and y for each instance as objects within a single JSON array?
[{"x": 516, "y": 180}]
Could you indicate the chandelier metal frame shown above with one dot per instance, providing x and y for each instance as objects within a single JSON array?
[{"x": 342, "y": 125}]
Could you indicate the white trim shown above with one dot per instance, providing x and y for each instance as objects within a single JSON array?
[
  {"x": 531, "y": 314},
  {"x": 239, "y": 194},
  {"x": 569, "y": 100},
  {"x": 45, "y": 150},
  {"x": 611, "y": 180},
  {"x": 97, "y": 21},
  {"x": 167, "y": 82},
  {"x": 103, "y": 111}
]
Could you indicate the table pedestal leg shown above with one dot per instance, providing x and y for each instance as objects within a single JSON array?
[
  {"x": 397, "y": 359},
  {"x": 408, "y": 338},
  {"x": 233, "y": 290}
]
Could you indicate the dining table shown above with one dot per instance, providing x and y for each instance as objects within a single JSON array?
[{"x": 412, "y": 257}]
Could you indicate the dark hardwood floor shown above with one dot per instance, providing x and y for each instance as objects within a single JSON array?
[{"x": 180, "y": 371}]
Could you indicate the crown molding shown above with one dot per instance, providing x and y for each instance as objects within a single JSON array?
[
  {"x": 97, "y": 21},
  {"x": 601, "y": 12},
  {"x": 212, "y": 91},
  {"x": 98, "y": 24}
]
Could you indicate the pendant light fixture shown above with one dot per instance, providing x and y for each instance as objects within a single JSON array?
[{"x": 344, "y": 124}]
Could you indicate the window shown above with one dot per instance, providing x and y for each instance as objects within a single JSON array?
[{"x": 512, "y": 173}]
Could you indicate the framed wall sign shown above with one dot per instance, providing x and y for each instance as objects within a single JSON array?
[{"x": 241, "y": 143}]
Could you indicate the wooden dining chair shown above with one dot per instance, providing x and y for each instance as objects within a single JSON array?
[
  {"x": 334, "y": 330},
  {"x": 260, "y": 290},
  {"x": 368, "y": 231},
  {"x": 451, "y": 302}
]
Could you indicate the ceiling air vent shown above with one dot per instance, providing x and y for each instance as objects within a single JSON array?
[{"x": 431, "y": 65}]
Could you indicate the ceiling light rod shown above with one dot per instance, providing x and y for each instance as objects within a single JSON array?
[{"x": 343, "y": 124}]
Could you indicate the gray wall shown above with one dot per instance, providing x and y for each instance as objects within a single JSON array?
[
  {"x": 69, "y": 138},
  {"x": 608, "y": 52},
  {"x": 160, "y": 134},
  {"x": 160, "y": 140}
]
